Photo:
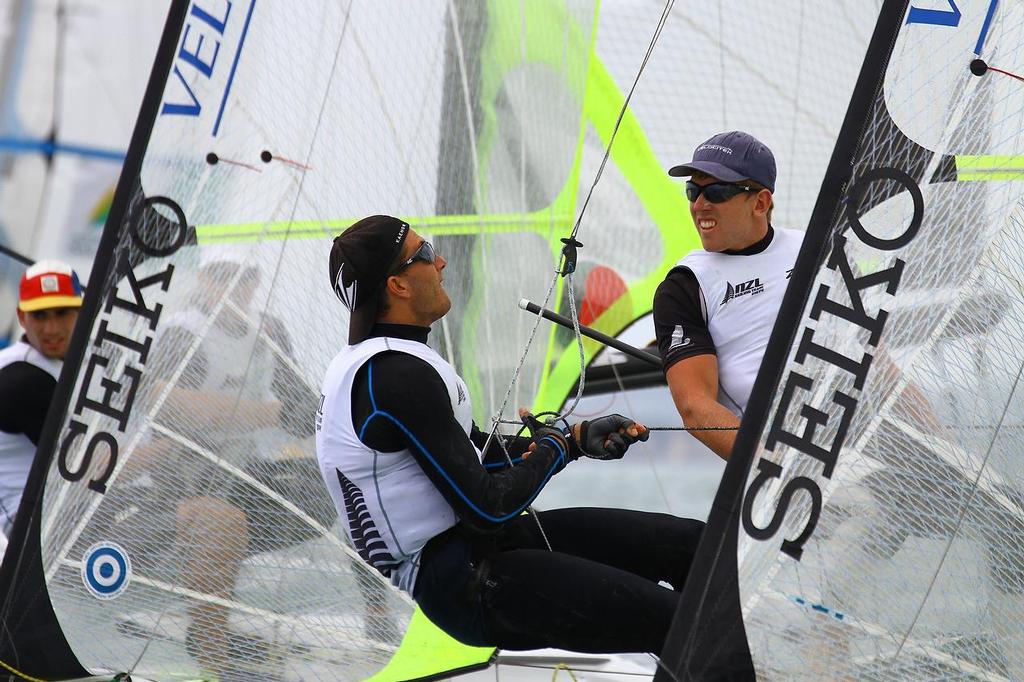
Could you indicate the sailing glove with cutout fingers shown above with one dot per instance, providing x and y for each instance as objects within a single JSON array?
[
  {"x": 550, "y": 437},
  {"x": 608, "y": 437}
]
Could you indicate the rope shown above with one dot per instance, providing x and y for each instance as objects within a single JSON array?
[
  {"x": 18, "y": 673},
  {"x": 571, "y": 241},
  {"x": 693, "y": 428},
  {"x": 563, "y": 666},
  {"x": 657, "y": 428}
]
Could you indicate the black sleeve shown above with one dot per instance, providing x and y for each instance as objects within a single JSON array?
[
  {"x": 679, "y": 318},
  {"x": 25, "y": 395},
  {"x": 299, "y": 401},
  {"x": 399, "y": 401},
  {"x": 494, "y": 456}
]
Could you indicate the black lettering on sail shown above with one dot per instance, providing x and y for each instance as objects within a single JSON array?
[
  {"x": 820, "y": 437},
  {"x": 365, "y": 537},
  {"x": 805, "y": 442},
  {"x": 138, "y": 306},
  {"x": 154, "y": 234},
  {"x": 855, "y": 313},
  {"x": 76, "y": 429},
  {"x": 859, "y": 369},
  {"x": 857, "y": 194},
  {"x": 107, "y": 388},
  {"x": 768, "y": 470},
  {"x": 104, "y": 333},
  {"x": 104, "y": 404}
]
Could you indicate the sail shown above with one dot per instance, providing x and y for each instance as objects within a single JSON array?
[
  {"x": 868, "y": 524},
  {"x": 71, "y": 78},
  {"x": 177, "y": 525}
]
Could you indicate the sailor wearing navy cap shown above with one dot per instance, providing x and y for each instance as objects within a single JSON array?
[{"x": 715, "y": 309}]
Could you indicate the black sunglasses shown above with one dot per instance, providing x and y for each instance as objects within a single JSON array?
[
  {"x": 716, "y": 192},
  {"x": 425, "y": 253}
]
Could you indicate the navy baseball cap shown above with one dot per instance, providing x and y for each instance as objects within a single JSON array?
[
  {"x": 361, "y": 258},
  {"x": 731, "y": 156}
]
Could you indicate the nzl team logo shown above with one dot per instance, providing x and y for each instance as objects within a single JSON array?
[
  {"x": 750, "y": 288},
  {"x": 106, "y": 570}
]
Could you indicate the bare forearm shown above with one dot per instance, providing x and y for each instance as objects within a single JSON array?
[
  {"x": 711, "y": 415},
  {"x": 694, "y": 385}
]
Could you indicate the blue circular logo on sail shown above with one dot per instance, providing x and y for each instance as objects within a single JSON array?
[{"x": 106, "y": 570}]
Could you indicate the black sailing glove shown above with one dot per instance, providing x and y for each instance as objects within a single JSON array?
[
  {"x": 549, "y": 437},
  {"x": 608, "y": 437}
]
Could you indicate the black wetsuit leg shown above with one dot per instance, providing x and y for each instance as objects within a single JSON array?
[{"x": 596, "y": 591}]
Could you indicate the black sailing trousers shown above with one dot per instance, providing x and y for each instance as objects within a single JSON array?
[{"x": 595, "y": 591}]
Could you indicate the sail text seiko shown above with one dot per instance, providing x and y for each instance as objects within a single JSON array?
[
  {"x": 117, "y": 355},
  {"x": 826, "y": 412}
]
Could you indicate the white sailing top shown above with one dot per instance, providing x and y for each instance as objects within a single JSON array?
[
  {"x": 742, "y": 296},
  {"x": 16, "y": 449},
  {"x": 371, "y": 489}
]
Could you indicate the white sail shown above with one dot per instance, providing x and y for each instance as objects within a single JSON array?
[
  {"x": 268, "y": 128},
  {"x": 873, "y": 519}
]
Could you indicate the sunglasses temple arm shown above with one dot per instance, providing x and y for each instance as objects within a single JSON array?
[{"x": 531, "y": 307}]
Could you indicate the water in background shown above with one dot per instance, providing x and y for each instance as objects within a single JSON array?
[{"x": 672, "y": 472}]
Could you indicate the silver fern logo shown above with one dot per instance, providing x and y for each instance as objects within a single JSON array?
[
  {"x": 679, "y": 338},
  {"x": 346, "y": 294}
]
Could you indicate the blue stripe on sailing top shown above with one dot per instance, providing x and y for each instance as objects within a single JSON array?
[{"x": 458, "y": 491}]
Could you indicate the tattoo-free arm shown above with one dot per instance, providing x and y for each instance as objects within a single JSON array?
[{"x": 693, "y": 382}]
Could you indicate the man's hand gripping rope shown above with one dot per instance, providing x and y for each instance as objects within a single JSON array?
[{"x": 606, "y": 437}]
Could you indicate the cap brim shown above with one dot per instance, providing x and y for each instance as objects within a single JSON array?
[
  {"x": 362, "y": 320},
  {"x": 46, "y": 302},
  {"x": 715, "y": 170}
]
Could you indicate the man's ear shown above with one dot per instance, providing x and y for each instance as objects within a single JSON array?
[
  {"x": 763, "y": 202},
  {"x": 397, "y": 287}
]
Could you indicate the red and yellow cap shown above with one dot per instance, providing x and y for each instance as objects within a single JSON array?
[{"x": 49, "y": 284}]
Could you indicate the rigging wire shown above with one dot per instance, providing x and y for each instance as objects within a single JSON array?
[
  {"x": 622, "y": 111},
  {"x": 563, "y": 269},
  {"x": 653, "y": 428},
  {"x": 15, "y": 255},
  {"x": 666, "y": 10},
  {"x": 567, "y": 264}
]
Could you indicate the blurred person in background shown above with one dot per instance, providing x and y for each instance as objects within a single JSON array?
[{"x": 48, "y": 301}]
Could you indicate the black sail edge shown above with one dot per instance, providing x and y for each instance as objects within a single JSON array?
[
  {"x": 31, "y": 640},
  {"x": 710, "y": 600}
]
